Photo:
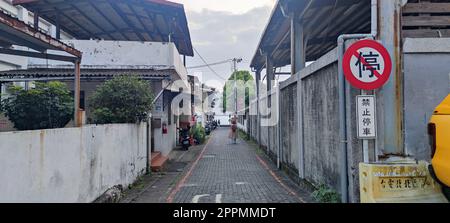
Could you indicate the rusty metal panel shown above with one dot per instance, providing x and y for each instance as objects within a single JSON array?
[{"x": 33, "y": 37}]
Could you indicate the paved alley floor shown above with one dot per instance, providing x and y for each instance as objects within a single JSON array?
[{"x": 234, "y": 173}]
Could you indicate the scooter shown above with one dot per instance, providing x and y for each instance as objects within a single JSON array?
[
  {"x": 186, "y": 142},
  {"x": 207, "y": 129}
]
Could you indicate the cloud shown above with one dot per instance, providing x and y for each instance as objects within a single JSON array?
[
  {"x": 234, "y": 6},
  {"x": 221, "y": 35}
]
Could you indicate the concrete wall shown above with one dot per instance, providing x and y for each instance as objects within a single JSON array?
[
  {"x": 321, "y": 125},
  {"x": 165, "y": 143},
  {"x": 320, "y": 106},
  {"x": 70, "y": 165},
  {"x": 288, "y": 121},
  {"x": 427, "y": 83}
]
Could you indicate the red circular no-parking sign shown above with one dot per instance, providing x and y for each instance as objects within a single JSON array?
[{"x": 367, "y": 65}]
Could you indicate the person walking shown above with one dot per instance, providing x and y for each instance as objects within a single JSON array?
[{"x": 233, "y": 130}]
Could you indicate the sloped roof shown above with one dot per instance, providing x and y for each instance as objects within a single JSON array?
[
  {"x": 324, "y": 21},
  {"x": 128, "y": 20}
]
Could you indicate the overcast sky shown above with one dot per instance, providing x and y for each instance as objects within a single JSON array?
[{"x": 224, "y": 29}]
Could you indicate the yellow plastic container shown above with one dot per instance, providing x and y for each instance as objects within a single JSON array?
[{"x": 398, "y": 183}]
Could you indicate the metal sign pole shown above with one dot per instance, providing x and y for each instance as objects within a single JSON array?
[{"x": 365, "y": 141}]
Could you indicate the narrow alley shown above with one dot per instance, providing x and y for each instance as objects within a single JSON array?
[{"x": 229, "y": 173}]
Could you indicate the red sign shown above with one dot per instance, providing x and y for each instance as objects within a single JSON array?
[{"x": 367, "y": 65}]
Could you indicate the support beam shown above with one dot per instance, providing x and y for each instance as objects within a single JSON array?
[
  {"x": 126, "y": 19},
  {"x": 270, "y": 74},
  {"x": 258, "y": 96},
  {"x": 298, "y": 55},
  {"x": 36, "y": 20},
  {"x": 390, "y": 107},
  {"x": 110, "y": 22},
  {"x": 58, "y": 26},
  {"x": 14, "y": 40},
  {"x": 77, "y": 114},
  {"x": 19, "y": 30},
  {"x": 95, "y": 23},
  {"x": 282, "y": 73},
  {"x": 37, "y": 55},
  {"x": 270, "y": 77}
]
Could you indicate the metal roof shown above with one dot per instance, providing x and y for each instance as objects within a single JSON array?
[
  {"x": 127, "y": 20},
  {"x": 16, "y": 32},
  {"x": 85, "y": 73},
  {"x": 324, "y": 21}
]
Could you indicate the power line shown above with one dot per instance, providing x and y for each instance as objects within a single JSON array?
[
  {"x": 212, "y": 64},
  {"x": 207, "y": 65}
]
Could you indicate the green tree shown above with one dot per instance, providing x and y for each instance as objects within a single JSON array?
[
  {"x": 124, "y": 99},
  {"x": 248, "y": 91},
  {"x": 48, "y": 105}
]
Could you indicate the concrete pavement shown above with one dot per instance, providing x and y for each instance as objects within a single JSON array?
[
  {"x": 218, "y": 172},
  {"x": 234, "y": 173}
]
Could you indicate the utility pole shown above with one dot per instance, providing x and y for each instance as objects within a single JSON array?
[{"x": 235, "y": 62}]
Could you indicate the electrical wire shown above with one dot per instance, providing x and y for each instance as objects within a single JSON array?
[
  {"x": 212, "y": 64},
  {"x": 207, "y": 65}
]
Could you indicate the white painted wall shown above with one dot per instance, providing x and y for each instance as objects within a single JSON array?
[
  {"x": 165, "y": 143},
  {"x": 122, "y": 55},
  {"x": 224, "y": 119},
  {"x": 70, "y": 165}
]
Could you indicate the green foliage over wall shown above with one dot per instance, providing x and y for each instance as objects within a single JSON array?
[
  {"x": 48, "y": 105},
  {"x": 124, "y": 99}
]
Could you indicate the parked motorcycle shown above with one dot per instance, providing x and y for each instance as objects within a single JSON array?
[
  {"x": 186, "y": 142},
  {"x": 208, "y": 129},
  {"x": 185, "y": 139}
]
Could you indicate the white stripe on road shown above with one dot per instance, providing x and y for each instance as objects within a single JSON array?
[
  {"x": 218, "y": 198},
  {"x": 241, "y": 183},
  {"x": 197, "y": 198}
]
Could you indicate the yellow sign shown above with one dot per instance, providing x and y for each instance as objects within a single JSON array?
[{"x": 398, "y": 183}]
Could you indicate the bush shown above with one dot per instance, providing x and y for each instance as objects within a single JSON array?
[
  {"x": 323, "y": 194},
  {"x": 198, "y": 132},
  {"x": 124, "y": 99},
  {"x": 48, "y": 105}
]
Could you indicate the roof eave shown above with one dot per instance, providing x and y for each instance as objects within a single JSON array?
[{"x": 253, "y": 63}]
